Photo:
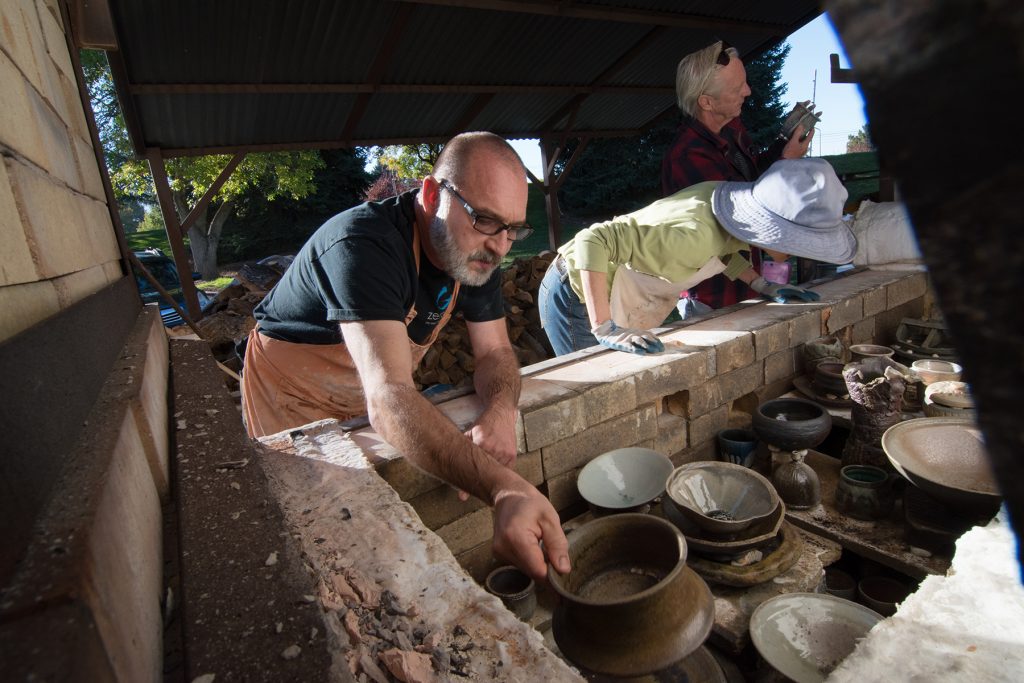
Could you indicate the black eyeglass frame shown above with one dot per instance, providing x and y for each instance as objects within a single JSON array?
[
  {"x": 723, "y": 57},
  {"x": 515, "y": 232}
]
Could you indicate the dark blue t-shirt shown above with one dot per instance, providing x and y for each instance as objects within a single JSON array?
[{"x": 359, "y": 265}]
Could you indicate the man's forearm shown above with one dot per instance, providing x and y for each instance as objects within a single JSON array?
[
  {"x": 432, "y": 442},
  {"x": 497, "y": 381}
]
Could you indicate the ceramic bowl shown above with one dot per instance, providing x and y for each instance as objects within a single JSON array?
[
  {"x": 859, "y": 352},
  {"x": 707, "y": 544},
  {"x": 828, "y": 378},
  {"x": 623, "y": 480},
  {"x": 946, "y": 458},
  {"x": 931, "y": 371},
  {"x": 792, "y": 424},
  {"x": 805, "y": 636},
  {"x": 721, "y": 497}
]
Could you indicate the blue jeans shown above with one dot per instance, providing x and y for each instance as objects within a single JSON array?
[{"x": 562, "y": 315}]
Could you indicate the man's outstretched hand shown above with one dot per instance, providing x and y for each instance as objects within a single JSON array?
[{"x": 527, "y": 532}]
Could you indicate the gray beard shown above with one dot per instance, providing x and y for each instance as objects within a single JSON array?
[{"x": 454, "y": 261}]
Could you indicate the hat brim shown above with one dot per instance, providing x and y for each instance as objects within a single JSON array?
[{"x": 744, "y": 218}]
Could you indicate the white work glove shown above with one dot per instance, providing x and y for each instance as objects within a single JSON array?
[
  {"x": 625, "y": 339},
  {"x": 781, "y": 293}
]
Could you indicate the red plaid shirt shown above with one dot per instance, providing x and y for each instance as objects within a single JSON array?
[{"x": 697, "y": 155}]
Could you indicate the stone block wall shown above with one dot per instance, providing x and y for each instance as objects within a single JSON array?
[
  {"x": 715, "y": 373},
  {"x": 92, "y": 577},
  {"x": 59, "y": 244}
]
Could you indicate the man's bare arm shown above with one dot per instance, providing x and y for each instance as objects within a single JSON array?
[
  {"x": 406, "y": 420},
  {"x": 497, "y": 382}
]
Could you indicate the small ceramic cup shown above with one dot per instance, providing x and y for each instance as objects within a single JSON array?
[
  {"x": 840, "y": 584},
  {"x": 516, "y": 590},
  {"x": 864, "y": 492},
  {"x": 882, "y": 594},
  {"x": 737, "y": 446}
]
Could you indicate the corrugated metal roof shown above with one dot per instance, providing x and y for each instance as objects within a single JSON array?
[{"x": 196, "y": 76}]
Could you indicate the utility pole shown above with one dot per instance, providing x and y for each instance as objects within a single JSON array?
[{"x": 814, "y": 94}]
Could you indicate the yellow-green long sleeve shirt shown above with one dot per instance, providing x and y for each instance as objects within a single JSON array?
[{"x": 671, "y": 239}]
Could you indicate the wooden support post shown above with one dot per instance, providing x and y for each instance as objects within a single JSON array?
[{"x": 173, "y": 228}]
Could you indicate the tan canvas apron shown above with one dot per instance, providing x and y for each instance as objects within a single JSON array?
[
  {"x": 643, "y": 301},
  {"x": 286, "y": 385}
]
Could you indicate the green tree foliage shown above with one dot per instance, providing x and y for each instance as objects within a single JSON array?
[
  {"x": 860, "y": 141},
  {"x": 277, "y": 175},
  {"x": 615, "y": 175},
  {"x": 153, "y": 220},
  {"x": 131, "y": 214},
  {"x": 407, "y": 161},
  {"x": 117, "y": 147},
  {"x": 764, "y": 111},
  {"x": 261, "y": 226},
  {"x": 619, "y": 175}
]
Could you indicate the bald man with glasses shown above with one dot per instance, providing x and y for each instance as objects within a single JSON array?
[
  {"x": 340, "y": 335},
  {"x": 713, "y": 144}
]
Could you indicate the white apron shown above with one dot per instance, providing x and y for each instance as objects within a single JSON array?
[{"x": 642, "y": 301}]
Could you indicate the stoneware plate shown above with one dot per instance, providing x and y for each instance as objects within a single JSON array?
[
  {"x": 945, "y": 457},
  {"x": 806, "y": 635}
]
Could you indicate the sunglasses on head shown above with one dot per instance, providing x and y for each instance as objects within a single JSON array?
[{"x": 723, "y": 56}]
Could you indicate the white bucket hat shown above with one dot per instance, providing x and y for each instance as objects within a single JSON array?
[{"x": 795, "y": 207}]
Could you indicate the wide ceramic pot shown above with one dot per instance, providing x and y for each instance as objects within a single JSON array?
[
  {"x": 792, "y": 424},
  {"x": 630, "y": 606}
]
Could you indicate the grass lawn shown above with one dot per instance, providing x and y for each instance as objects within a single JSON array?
[{"x": 144, "y": 239}]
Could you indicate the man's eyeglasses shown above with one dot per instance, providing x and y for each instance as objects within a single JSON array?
[
  {"x": 723, "y": 56},
  {"x": 487, "y": 224}
]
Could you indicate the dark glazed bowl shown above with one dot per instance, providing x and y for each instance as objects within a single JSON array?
[{"x": 792, "y": 424}]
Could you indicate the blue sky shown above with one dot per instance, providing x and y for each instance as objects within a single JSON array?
[{"x": 840, "y": 104}]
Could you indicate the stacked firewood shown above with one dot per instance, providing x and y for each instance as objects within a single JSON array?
[{"x": 448, "y": 361}]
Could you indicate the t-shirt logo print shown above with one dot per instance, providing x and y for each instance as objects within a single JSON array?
[{"x": 444, "y": 297}]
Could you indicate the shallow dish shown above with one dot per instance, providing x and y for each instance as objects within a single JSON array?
[
  {"x": 623, "y": 480},
  {"x": 721, "y": 497},
  {"x": 951, "y": 393},
  {"x": 805, "y": 636},
  {"x": 946, "y": 458}
]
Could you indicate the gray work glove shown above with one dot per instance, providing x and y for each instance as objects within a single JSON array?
[
  {"x": 625, "y": 339},
  {"x": 781, "y": 293}
]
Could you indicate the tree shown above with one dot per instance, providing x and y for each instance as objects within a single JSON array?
[
  {"x": 619, "y": 175},
  {"x": 408, "y": 161},
  {"x": 279, "y": 174},
  {"x": 764, "y": 111},
  {"x": 860, "y": 141},
  {"x": 259, "y": 226}
]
